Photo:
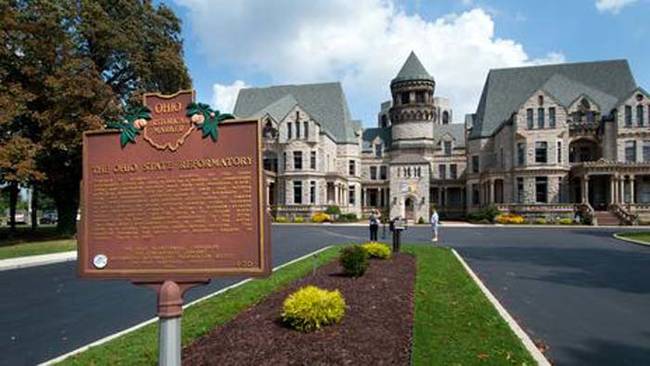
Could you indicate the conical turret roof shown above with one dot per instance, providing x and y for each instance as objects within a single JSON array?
[{"x": 412, "y": 70}]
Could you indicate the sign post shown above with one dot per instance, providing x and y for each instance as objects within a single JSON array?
[{"x": 172, "y": 196}]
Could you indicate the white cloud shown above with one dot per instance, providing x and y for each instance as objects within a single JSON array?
[
  {"x": 362, "y": 43},
  {"x": 224, "y": 96},
  {"x": 612, "y": 6}
]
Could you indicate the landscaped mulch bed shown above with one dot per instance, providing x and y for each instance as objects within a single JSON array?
[{"x": 376, "y": 329}]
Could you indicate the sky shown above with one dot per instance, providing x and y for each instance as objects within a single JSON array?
[{"x": 363, "y": 43}]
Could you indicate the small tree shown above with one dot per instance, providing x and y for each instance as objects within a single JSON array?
[{"x": 18, "y": 167}]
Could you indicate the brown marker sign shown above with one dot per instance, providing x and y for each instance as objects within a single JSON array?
[{"x": 174, "y": 205}]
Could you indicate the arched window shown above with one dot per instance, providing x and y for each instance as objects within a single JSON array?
[{"x": 445, "y": 117}]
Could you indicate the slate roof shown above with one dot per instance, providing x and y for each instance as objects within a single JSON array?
[
  {"x": 505, "y": 90},
  {"x": 324, "y": 102},
  {"x": 369, "y": 135},
  {"x": 412, "y": 70},
  {"x": 456, "y": 130}
]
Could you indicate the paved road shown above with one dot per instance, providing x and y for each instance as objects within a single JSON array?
[
  {"x": 581, "y": 292},
  {"x": 47, "y": 311}
]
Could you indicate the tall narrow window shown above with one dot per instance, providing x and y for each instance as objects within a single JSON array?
[
  {"x": 541, "y": 189},
  {"x": 447, "y": 148},
  {"x": 284, "y": 161},
  {"x": 419, "y": 97},
  {"x": 383, "y": 172},
  {"x": 352, "y": 196},
  {"x": 373, "y": 173},
  {"x": 453, "y": 171},
  {"x": 475, "y": 163},
  {"x": 312, "y": 160},
  {"x": 297, "y": 129},
  {"x": 520, "y": 190},
  {"x": 628, "y": 116},
  {"x": 529, "y": 118},
  {"x": 297, "y": 160},
  {"x": 378, "y": 150},
  {"x": 297, "y": 192},
  {"x": 352, "y": 167},
  {"x": 306, "y": 130},
  {"x": 541, "y": 152},
  {"x": 551, "y": 117},
  {"x": 404, "y": 98},
  {"x": 639, "y": 115},
  {"x": 540, "y": 118},
  {"x": 289, "y": 132},
  {"x": 442, "y": 172},
  {"x": 559, "y": 152},
  {"x": 312, "y": 192},
  {"x": 521, "y": 153},
  {"x": 445, "y": 118},
  {"x": 646, "y": 150},
  {"x": 630, "y": 151}
]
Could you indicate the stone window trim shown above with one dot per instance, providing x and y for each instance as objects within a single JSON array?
[
  {"x": 529, "y": 118},
  {"x": 521, "y": 153},
  {"x": 541, "y": 152},
  {"x": 639, "y": 115},
  {"x": 520, "y": 189},
  {"x": 559, "y": 152},
  {"x": 383, "y": 172},
  {"x": 540, "y": 118},
  {"x": 447, "y": 147},
  {"x": 312, "y": 160},
  {"x": 646, "y": 150},
  {"x": 297, "y": 192},
  {"x": 453, "y": 171},
  {"x": 628, "y": 116},
  {"x": 312, "y": 192},
  {"x": 630, "y": 151},
  {"x": 352, "y": 167},
  {"x": 351, "y": 195},
  {"x": 297, "y": 160},
  {"x": 551, "y": 117},
  {"x": 541, "y": 189},
  {"x": 289, "y": 131},
  {"x": 373, "y": 173}
]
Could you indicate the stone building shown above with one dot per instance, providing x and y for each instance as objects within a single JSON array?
[
  {"x": 547, "y": 140},
  {"x": 316, "y": 155},
  {"x": 556, "y": 139}
]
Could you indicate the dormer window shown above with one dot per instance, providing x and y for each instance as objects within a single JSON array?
[
  {"x": 447, "y": 148},
  {"x": 445, "y": 117},
  {"x": 378, "y": 149}
]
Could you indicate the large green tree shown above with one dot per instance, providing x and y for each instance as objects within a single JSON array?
[{"x": 69, "y": 65}]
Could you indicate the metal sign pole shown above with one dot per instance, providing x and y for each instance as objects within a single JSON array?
[{"x": 169, "y": 341}]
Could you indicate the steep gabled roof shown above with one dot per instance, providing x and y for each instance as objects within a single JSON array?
[
  {"x": 412, "y": 70},
  {"x": 278, "y": 109},
  {"x": 505, "y": 90},
  {"x": 455, "y": 130},
  {"x": 370, "y": 134},
  {"x": 324, "y": 102}
]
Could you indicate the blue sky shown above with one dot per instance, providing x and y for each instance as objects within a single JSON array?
[{"x": 362, "y": 43}]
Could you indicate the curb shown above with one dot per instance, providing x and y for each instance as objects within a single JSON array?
[
  {"x": 37, "y": 260},
  {"x": 519, "y": 332},
  {"x": 153, "y": 320},
  {"x": 633, "y": 241}
]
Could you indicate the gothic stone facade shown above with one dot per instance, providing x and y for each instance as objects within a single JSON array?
[{"x": 546, "y": 140}]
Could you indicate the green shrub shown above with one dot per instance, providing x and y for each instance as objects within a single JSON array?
[
  {"x": 485, "y": 214},
  {"x": 310, "y": 308},
  {"x": 565, "y": 221},
  {"x": 347, "y": 218},
  {"x": 377, "y": 250},
  {"x": 540, "y": 221},
  {"x": 298, "y": 219},
  {"x": 354, "y": 260},
  {"x": 333, "y": 210},
  {"x": 281, "y": 219}
]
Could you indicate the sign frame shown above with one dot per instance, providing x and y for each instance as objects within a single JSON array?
[{"x": 264, "y": 269}]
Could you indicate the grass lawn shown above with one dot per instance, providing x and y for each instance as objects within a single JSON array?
[
  {"x": 36, "y": 248},
  {"x": 25, "y": 234},
  {"x": 455, "y": 324},
  {"x": 642, "y": 236}
]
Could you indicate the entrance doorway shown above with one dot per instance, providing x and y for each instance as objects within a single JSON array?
[
  {"x": 409, "y": 207},
  {"x": 599, "y": 192}
]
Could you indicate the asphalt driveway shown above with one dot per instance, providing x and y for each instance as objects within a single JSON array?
[{"x": 579, "y": 291}]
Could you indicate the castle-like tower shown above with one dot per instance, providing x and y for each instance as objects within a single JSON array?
[{"x": 413, "y": 112}]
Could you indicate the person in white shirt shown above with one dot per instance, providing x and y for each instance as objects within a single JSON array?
[{"x": 435, "y": 220}]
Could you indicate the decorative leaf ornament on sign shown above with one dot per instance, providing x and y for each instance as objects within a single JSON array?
[
  {"x": 207, "y": 119},
  {"x": 136, "y": 119},
  {"x": 167, "y": 120}
]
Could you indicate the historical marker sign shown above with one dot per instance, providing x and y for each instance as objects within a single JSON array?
[{"x": 173, "y": 194}]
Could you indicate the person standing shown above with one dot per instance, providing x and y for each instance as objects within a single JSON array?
[
  {"x": 373, "y": 221},
  {"x": 435, "y": 221}
]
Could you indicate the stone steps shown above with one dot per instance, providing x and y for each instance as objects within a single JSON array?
[{"x": 606, "y": 218}]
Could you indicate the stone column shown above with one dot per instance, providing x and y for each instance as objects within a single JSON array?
[
  {"x": 446, "y": 197},
  {"x": 612, "y": 189},
  {"x": 621, "y": 190},
  {"x": 585, "y": 189},
  {"x": 632, "y": 196},
  {"x": 491, "y": 185}
]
